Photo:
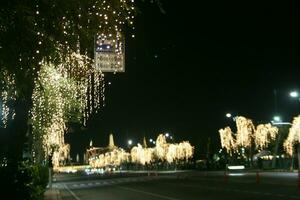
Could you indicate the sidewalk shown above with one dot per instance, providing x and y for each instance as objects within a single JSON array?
[{"x": 52, "y": 194}]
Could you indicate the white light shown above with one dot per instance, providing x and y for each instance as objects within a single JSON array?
[
  {"x": 228, "y": 115},
  {"x": 151, "y": 140},
  {"x": 167, "y": 134},
  {"x": 294, "y": 94},
  {"x": 276, "y": 118},
  {"x": 129, "y": 142},
  {"x": 236, "y": 167}
]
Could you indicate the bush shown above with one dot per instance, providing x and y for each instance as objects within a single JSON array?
[{"x": 24, "y": 181}]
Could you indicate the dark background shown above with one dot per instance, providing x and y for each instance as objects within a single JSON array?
[{"x": 186, "y": 68}]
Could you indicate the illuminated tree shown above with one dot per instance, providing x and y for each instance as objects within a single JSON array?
[
  {"x": 35, "y": 34},
  {"x": 227, "y": 140},
  {"x": 264, "y": 134},
  {"x": 245, "y": 131},
  {"x": 293, "y": 139},
  {"x": 247, "y": 136},
  {"x": 163, "y": 151}
]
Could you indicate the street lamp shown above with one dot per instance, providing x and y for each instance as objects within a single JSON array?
[
  {"x": 277, "y": 118},
  {"x": 228, "y": 115},
  {"x": 294, "y": 94},
  {"x": 129, "y": 142}
]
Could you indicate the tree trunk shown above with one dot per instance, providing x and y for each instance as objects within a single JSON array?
[
  {"x": 17, "y": 129},
  {"x": 276, "y": 151}
]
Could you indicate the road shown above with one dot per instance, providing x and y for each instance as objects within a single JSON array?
[{"x": 184, "y": 185}]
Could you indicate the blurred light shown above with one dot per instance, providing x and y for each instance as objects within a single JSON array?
[
  {"x": 151, "y": 140},
  {"x": 277, "y": 119},
  {"x": 236, "y": 167},
  {"x": 129, "y": 142},
  {"x": 294, "y": 94},
  {"x": 167, "y": 134},
  {"x": 228, "y": 115}
]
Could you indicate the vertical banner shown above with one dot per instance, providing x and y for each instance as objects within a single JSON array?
[{"x": 109, "y": 53}]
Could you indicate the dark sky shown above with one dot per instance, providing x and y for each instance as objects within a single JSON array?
[{"x": 185, "y": 69}]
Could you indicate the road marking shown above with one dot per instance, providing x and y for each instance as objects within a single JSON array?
[
  {"x": 71, "y": 192},
  {"x": 148, "y": 193}
]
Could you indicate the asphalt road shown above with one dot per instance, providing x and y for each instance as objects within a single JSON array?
[{"x": 187, "y": 185}]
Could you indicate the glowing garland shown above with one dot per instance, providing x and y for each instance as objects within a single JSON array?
[
  {"x": 227, "y": 140},
  {"x": 163, "y": 151},
  {"x": 72, "y": 87},
  {"x": 293, "y": 137},
  {"x": 7, "y": 96},
  {"x": 264, "y": 134},
  {"x": 247, "y": 134},
  {"x": 63, "y": 92},
  {"x": 245, "y": 130}
]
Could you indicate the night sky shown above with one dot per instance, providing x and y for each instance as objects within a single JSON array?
[{"x": 187, "y": 68}]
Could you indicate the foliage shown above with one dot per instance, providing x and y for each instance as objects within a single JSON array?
[
  {"x": 23, "y": 181},
  {"x": 36, "y": 32}
]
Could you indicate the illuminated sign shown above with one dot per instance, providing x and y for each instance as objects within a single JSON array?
[{"x": 109, "y": 55}]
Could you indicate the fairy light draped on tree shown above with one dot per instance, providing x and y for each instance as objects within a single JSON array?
[
  {"x": 245, "y": 130},
  {"x": 113, "y": 158},
  {"x": 293, "y": 137},
  {"x": 161, "y": 147},
  {"x": 8, "y": 96},
  {"x": 67, "y": 87},
  {"x": 57, "y": 57},
  {"x": 163, "y": 151},
  {"x": 247, "y": 134},
  {"x": 227, "y": 140},
  {"x": 142, "y": 155},
  {"x": 264, "y": 134},
  {"x": 63, "y": 94}
]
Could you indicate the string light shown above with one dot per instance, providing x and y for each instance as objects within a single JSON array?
[
  {"x": 73, "y": 85},
  {"x": 227, "y": 140},
  {"x": 163, "y": 151},
  {"x": 245, "y": 130},
  {"x": 264, "y": 134},
  {"x": 61, "y": 90},
  {"x": 7, "y": 94},
  {"x": 293, "y": 137},
  {"x": 247, "y": 134}
]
